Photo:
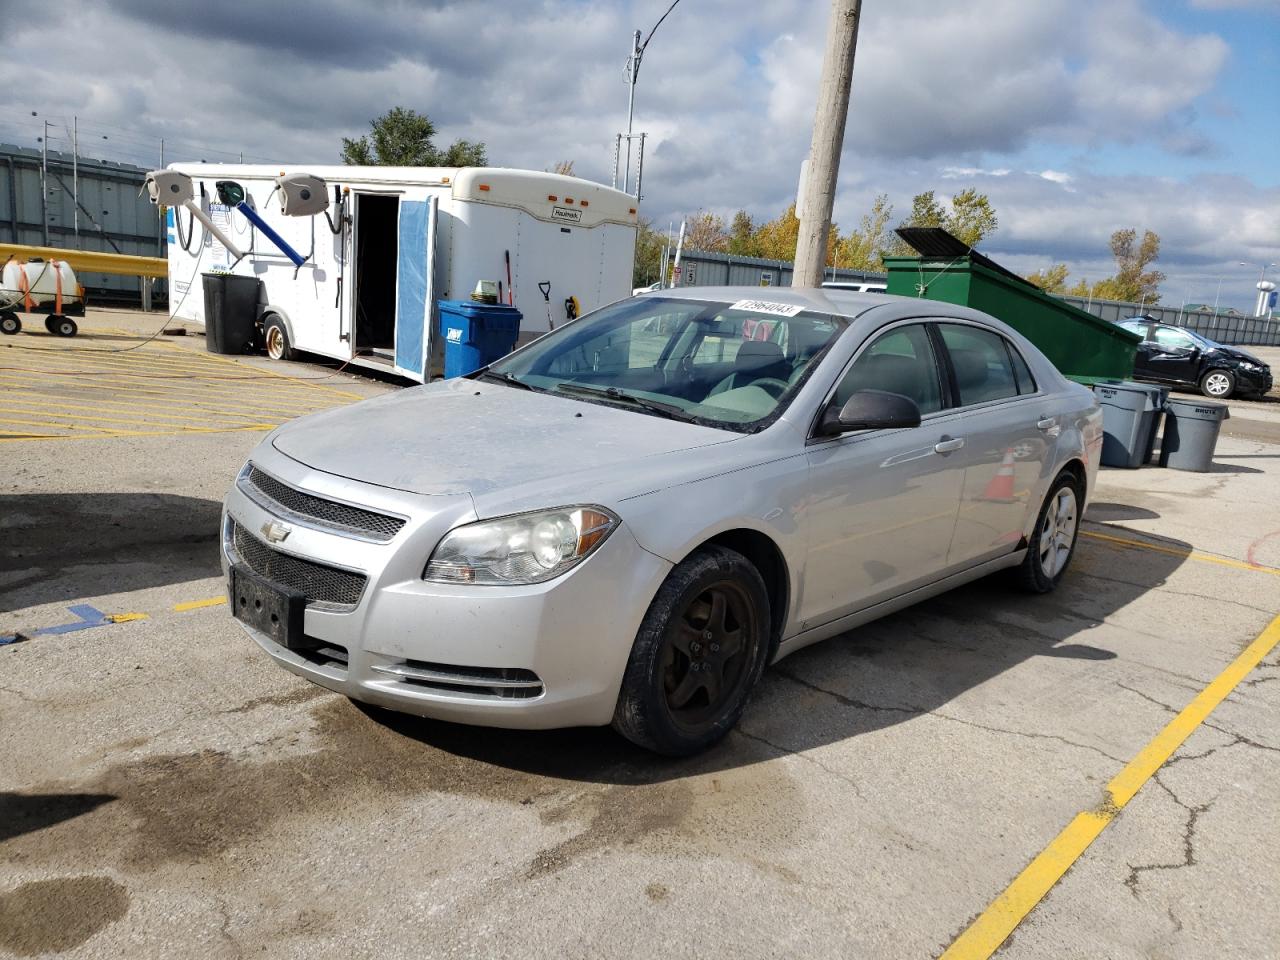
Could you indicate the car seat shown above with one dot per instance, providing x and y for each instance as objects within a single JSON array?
[{"x": 756, "y": 360}]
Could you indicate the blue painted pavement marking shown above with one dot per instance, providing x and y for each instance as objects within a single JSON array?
[{"x": 89, "y": 617}]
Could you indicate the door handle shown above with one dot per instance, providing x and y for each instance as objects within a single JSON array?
[
  {"x": 948, "y": 445},
  {"x": 1049, "y": 425}
]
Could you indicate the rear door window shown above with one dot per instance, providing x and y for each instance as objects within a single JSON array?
[
  {"x": 981, "y": 363},
  {"x": 1021, "y": 372}
]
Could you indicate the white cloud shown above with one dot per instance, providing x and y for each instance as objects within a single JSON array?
[{"x": 941, "y": 93}]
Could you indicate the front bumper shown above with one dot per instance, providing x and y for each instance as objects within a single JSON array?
[
  {"x": 454, "y": 652},
  {"x": 1255, "y": 382}
]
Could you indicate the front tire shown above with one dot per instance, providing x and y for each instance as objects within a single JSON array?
[
  {"x": 9, "y": 323},
  {"x": 698, "y": 654},
  {"x": 1218, "y": 384},
  {"x": 1053, "y": 542},
  {"x": 277, "y": 337},
  {"x": 62, "y": 326}
]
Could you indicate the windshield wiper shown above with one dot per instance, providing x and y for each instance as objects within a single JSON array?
[
  {"x": 668, "y": 410},
  {"x": 506, "y": 378}
]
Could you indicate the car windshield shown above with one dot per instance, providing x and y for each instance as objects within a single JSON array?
[{"x": 729, "y": 365}]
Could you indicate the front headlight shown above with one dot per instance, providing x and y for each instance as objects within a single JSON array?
[{"x": 527, "y": 548}]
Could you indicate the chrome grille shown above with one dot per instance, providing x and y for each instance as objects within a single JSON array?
[
  {"x": 329, "y": 513},
  {"x": 315, "y": 581},
  {"x": 509, "y": 683}
]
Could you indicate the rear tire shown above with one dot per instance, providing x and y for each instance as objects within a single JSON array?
[
  {"x": 1218, "y": 384},
  {"x": 9, "y": 323},
  {"x": 277, "y": 339},
  {"x": 698, "y": 654},
  {"x": 1053, "y": 542},
  {"x": 62, "y": 326}
]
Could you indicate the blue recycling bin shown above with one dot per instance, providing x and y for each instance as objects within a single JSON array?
[{"x": 476, "y": 334}]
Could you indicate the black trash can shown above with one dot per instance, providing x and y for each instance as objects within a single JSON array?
[
  {"x": 1191, "y": 433},
  {"x": 230, "y": 312}
]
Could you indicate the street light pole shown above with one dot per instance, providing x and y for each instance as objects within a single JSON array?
[{"x": 633, "y": 72}]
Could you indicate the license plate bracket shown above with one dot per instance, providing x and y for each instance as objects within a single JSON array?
[{"x": 265, "y": 607}]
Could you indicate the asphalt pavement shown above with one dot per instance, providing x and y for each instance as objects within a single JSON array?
[{"x": 166, "y": 791}]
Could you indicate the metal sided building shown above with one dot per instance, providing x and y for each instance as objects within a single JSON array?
[
  {"x": 113, "y": 218},
  {"x": 702, "y": 268}
]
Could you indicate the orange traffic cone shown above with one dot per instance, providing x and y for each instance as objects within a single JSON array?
[{"x": 1000, "y": 488}]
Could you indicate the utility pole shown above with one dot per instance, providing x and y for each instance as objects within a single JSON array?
[
  {"x": 633, "y": 70},
  {"x": 75, "y": 174},
  {"x": 44, "y": 183},
  {"x": 818, "y": 187}
]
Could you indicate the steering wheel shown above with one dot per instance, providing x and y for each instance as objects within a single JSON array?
[{"x": 771, "y": 385}]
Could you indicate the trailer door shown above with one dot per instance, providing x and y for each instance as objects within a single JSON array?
[{"x": 415, "y": 297}]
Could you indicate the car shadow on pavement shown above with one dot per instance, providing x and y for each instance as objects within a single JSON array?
[
  {"x": 889, "y": 672},
  {"x": 26, "y": 813},
  {"x": 60, "y": 546}
]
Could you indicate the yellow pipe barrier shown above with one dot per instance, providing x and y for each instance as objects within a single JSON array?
[{"x": 90, "y": 261}]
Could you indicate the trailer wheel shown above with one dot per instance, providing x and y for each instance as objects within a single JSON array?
[
  {"x": 277, "y": 337},
  {"x": 9, "y": 323},
  {"x": 63, "y": 326}
]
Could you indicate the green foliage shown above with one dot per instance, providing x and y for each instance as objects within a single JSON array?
[
  {"x": 742, "y": 235},
  {"x": 403, "y": 138},
  {"x": 860, "y": 250},
  {"x": 1051, "y": 279},
  {"x": 647, "y": 267},
  {"x": 1133, "y": 281},
  {"x": 971, "y": 218}
]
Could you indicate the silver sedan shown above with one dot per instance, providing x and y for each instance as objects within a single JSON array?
[{"x": 626, "y": 520}]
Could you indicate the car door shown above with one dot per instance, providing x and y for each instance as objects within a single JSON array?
[
  {"x": 1008, "y": 435},
  {"x": 1143, "y": 352},
  {"x": 1175, "y": 356},
  {"x": 881, "y": 504}
]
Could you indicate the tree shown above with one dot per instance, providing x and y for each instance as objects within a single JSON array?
[
  {"x": 403, "y": 138},
  {"x": 1051, "y": 279},
  {"x": 564, "y": 168},
  {"x": 860, "y": 250},
  {"x": 742, "y": 235},
  {"x": 705, "y": 231},
  {"x": 971, "y": 218},
  {"x": 647, "y": 266},
  {"x": 1133, "y": 281},
  {"x": 776, "y": 240}
]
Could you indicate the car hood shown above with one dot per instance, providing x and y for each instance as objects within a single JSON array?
[
  {"x": 465, "y": 436},
  {"x": 1240, "y": 354}
]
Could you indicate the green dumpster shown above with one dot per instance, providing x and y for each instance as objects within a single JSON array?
[{"x": 1084, "y": 347}]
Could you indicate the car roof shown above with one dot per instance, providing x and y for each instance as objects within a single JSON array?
[{"x": 845, "y": 303}]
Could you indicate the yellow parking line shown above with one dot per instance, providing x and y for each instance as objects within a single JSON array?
[
  {"x": 127, "y": 617},
  {"x": 181, "y": 391},
  {"x": 197, "y": 604},
  {"x": 1183, "y": 552},
  {"x": 994, "y": 925},
  {"x": 42, "y": 402}
]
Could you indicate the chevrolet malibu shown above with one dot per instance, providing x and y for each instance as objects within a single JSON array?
[{"x": 626, "y": 520}]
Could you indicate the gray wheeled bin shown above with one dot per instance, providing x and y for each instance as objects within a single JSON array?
[
  {"x": 1159, "y": 396},
  {"x": 1128, "y": 421},
  {"x": 1190, "y": 434}
]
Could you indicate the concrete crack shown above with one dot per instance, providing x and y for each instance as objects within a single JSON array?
[
  {"x": 24, "y": 697},
  {"x": 847, "y": 701},
  {"x": 1239, "y": 739},
  {"x": 1188, "y": 840},
  {"x": 1164, "y": 706},
  {"x": 786, "y": 751},
  {"x": 921, "y": 711}
]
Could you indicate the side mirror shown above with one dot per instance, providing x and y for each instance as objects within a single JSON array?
[{"x": 870, "y": 410}]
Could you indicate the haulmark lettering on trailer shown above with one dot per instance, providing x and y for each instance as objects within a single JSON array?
[{"x": 566, "y": 215}]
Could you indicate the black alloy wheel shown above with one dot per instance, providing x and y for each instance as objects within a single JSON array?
[{"x": 699, "y": 652}]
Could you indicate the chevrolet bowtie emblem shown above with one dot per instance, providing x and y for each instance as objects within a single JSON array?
[{"x": 275, "y": 531}]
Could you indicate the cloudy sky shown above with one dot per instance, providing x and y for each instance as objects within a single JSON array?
[{"x": 1077, "y": 116}]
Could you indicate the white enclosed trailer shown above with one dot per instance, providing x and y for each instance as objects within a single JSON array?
[{"x": 392, "y": 242}]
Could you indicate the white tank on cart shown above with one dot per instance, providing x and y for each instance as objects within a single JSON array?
[{"x": 41, "y": 279}]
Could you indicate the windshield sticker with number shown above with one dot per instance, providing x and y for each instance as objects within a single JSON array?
[{"x": 767, "y": 306}]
